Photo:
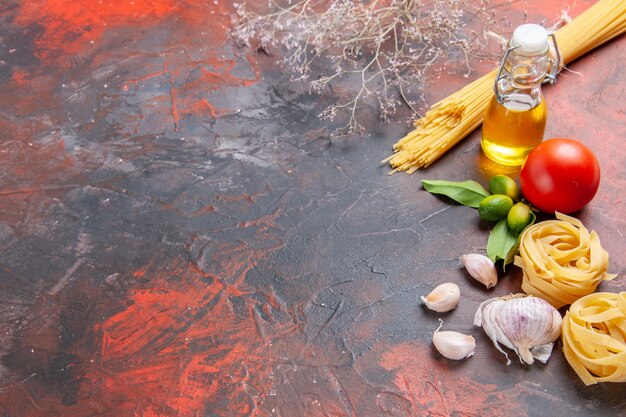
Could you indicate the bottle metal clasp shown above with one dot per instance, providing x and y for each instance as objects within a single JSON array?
[
  {"x": 501, "y": 76},
  {"x": 555, "y": 67}
]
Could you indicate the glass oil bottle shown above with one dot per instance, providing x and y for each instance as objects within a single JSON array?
[{"x": 515, "y": 119}]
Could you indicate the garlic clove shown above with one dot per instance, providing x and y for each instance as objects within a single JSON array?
[
  {"x": 527, "y": 325},
  {"x": 486, "y": 316},
  {"x": 453, "y": 345},
  {"x": 557, "y": 322},
  {"x": 444, "y": 297},
  {"x": 481, "y": 269}
]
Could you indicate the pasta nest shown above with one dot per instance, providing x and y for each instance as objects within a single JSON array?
[
  {"x": 594, "y": 334},
  {"x": 562, "y": 261}
]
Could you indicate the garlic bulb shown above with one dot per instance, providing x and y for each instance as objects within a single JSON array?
[
  {"x": 481, "y": 269},
  {"x": 453, "y": 345},
  {"x": 443, "y": 298},
  {"x": 528, "y": 325}
]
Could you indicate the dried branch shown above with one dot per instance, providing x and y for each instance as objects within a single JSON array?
[{"x": 386, "y": 47}]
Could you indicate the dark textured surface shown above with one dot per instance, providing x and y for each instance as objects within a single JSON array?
[{"x": 180, "y": 235}]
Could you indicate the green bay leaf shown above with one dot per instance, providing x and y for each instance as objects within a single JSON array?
[
  {"x": 469, "y": 193},
  {"x": 511, "y": 254},
  {"x": 502, "y": 243}
]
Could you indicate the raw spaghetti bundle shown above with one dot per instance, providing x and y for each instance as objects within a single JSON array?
[
  {"x": 594, "y": 337},
  {"x": 453, "y": 118}
]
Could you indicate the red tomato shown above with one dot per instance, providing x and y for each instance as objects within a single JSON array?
[{"x": 560, "y": 175}]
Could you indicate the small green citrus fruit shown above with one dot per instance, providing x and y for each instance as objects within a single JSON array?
[
  {"x": 494, "y": 207},
  {"x": 519, "y": 217},
  {"x": 501, "y": 184}
]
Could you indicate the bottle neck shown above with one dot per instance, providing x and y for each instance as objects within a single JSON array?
[
  {"x": 520, "y": 89},
  {"x": 527, "y": 71}
]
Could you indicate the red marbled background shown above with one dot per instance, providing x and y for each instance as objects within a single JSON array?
[{"x": 180, "y": 235}]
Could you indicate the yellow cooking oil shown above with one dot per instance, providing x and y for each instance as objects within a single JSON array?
[{"x": 511, "y": 130}]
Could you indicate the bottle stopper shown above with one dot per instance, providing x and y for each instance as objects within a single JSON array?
[{"x": 530, "y": 39}]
